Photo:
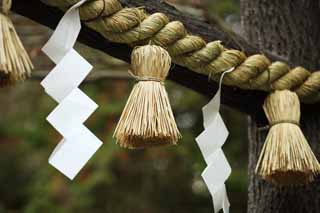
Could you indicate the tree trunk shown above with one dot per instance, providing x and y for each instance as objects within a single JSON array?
[{"x": 289, "y": 28}]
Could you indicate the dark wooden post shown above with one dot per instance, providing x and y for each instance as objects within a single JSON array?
[{"x": 290, "y": 29}]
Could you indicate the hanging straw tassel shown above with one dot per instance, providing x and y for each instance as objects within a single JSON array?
[
  {"x": 147, "y": 119},
  {"x": 286, "y": 157},
  {"x": 15, "y": 63}
]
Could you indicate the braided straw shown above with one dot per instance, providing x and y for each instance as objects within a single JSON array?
[
  {"x": 147, "y": 119},
  {"x": 286, "y": 157},
  {"x": 133, "y": 26},
  {"x": 15, "y": 63}
]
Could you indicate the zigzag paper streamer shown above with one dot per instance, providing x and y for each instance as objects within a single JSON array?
[
  {"x": 210, "y": 142},
  {"x": 78, "y": 144}
]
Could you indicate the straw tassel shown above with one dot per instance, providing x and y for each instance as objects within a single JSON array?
[
  {"x": 147, "y": 119},
  {"x": 286, "y": 157},
  {"x": 15, "y": 63}
]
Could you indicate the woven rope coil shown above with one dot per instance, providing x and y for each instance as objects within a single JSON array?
[{"x": 133, "y": 26}]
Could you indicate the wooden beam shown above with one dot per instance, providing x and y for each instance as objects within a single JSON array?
[{"x": 246, "y": 101}]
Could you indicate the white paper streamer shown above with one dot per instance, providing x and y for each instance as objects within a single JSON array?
[
  {"x": 78, "y": 144},
  {"x": 210, "y": 142}
]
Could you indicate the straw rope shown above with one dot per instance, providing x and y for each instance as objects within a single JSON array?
[
  {"x": 15, "y": 64},
  {"x": 286, "y": 157},
  {"x": 134, "y": 26}
]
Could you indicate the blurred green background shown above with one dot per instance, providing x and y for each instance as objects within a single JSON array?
[{"x": 116, "y": 180}]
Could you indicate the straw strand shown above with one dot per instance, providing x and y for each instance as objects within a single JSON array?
[
  {"x": 147, "y": 119},
  {"x": 286, "y": 157},
  {"x": 15, "y": 64}
]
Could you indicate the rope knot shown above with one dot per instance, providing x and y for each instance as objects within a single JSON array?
[
  {"x": 288, "y": 121},
  {"x": 145, "y": 78}
]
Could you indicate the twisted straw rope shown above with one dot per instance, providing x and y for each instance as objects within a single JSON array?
[{"x": 134, "y": 27}]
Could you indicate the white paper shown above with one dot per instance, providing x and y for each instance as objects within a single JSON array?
[
  {"x": 66, "y": 75},
  {"x": 217, "y": 171},
  {"x": 70, "y": 156},
  {"x": 73, "y": 110},
  {"x": 210, "y": 142},
  {"x": 78, "y": 144},
  {"x": 65, "y": 35},
  {"x": 211, "y": 110},
  {"x": 221, "y": 202},
  {"x": 213, "y": 138}
]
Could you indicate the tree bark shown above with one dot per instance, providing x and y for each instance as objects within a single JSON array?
[{"x": 291, "y": 29}]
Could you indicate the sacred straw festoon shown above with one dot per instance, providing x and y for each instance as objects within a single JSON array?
[
  {"x": 15, "y": 63},
  {"x": 286, "y": 157},
  {"x": 132, "y": 25},
  {"x": 147, "y": 119},
  {"x": 135, "y": 26}
]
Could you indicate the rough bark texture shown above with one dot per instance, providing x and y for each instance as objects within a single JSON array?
[
  {"x": 291, "y": 29},
  {"x": 288, "y": 28}
]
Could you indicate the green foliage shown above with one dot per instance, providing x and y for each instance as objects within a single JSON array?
[
  {"x": 164, "y": 179},
  {"x": 222, "y": 8}
]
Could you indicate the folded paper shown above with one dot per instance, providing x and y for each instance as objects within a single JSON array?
[
  {"x": 210, "y": 142},
  {"x": 78, "y": 144},
  {"x": 70, "y": 156},
  {"x": 213, "y": 138}
]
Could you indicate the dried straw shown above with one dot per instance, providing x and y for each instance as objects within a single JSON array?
[
  {"x": 286, "y": 157},
  {"x": 15, "y": 63},
  {"x": 134, "y": 26},
  {"x": 147, "y": 119}
]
